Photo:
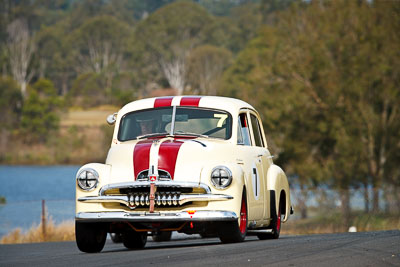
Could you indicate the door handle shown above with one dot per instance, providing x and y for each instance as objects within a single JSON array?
[{"x": 269, "y": 157}]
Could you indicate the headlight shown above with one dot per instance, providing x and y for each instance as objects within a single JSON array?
[
  {"x": 221, "y": 177},
  {"x": 87, "y": 179}
]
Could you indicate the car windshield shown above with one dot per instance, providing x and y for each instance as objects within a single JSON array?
[{"x": 183, "y": 121}]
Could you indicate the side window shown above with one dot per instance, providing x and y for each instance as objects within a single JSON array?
[
  {"x": 243, "y": 131},
  {"x": 256, "y": 131}
]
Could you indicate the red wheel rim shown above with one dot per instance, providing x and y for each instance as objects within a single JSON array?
[
  {"x": 278, "y": 223},
  {"x": 243, "y": 217}
]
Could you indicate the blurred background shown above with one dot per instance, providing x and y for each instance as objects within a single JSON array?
[{"x": 324, "y": 75}]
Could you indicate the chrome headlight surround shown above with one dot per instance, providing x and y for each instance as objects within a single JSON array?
[
  {"x": 87, "y": 179},
  {"x": 221, "y": 177}
]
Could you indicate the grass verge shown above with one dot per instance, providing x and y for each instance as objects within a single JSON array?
[
  {"x": 333, "y": 223},
  {"x": 64, "y": 231}
]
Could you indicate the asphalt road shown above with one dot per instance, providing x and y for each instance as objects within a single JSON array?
[{"x": 347, "y": 249}]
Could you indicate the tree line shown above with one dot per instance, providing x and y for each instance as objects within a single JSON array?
[{"x": 323, "y": 74}]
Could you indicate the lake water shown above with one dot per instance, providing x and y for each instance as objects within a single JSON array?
[{"x": 24, "y": 187}]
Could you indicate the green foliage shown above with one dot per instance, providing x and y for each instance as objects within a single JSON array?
[
  {"x": 88, "y": 91},
  {"x": 205, "y": 66},
  {"x": 176, "y": 26},
  {"x": 328, "y": 91},
  {"x": 39, "y": 113},
  {"x": 10, "y": 103},
  {"x": 3, "y": 200}
]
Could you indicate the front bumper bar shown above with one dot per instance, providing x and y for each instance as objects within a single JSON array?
[{"x": 183, "y": 216}]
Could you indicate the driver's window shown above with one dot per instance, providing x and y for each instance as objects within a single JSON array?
[{"x": 243, "y": 131}]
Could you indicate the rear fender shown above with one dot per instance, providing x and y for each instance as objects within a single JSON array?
[{"x": 277, "y": 182}]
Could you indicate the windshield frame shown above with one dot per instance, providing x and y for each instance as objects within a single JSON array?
[{"x": 172, "y": 132}]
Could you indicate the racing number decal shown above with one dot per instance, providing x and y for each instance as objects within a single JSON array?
[{"x": 255, "y": 182}]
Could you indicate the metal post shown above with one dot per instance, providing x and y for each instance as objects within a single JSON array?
[{"x": 44, "y": 219}]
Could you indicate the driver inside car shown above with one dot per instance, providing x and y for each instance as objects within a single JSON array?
[{"x": 146, "y": 126}]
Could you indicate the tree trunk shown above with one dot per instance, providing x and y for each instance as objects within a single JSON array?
[
  {"x": 64, "y": 85},
  {"x": 302, "y": 201},
  {"x": 375, "y": 199},
  {"x": 345, "y": 206},
  {"x": 397, "y": 199},
  {"x": 366, "y": 197}
]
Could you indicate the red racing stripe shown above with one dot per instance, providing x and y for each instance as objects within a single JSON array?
[
  {"x": 167, "y": 156},
  {"x": 190, "y": 101},
  {"x": 141, "y": 156},
  {"x": 163, "y": 101}
]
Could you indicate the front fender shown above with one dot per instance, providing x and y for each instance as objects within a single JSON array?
[
  {"x": 277, "y": 181},
  {"x": 104, "y": 171},
  {"x": 235, "y": 189}
]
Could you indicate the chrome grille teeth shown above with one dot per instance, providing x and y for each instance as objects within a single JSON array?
[
  {"x": 175, "y": 200},
  {"x": 161, "y": 199}
]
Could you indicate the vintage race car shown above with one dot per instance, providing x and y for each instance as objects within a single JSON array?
[{"x": 192, "y": 164}]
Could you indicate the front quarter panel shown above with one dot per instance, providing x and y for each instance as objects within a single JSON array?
[{"x": 104, "y": 171}]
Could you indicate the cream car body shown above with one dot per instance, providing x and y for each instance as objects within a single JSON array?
[{"x": 185, "y": 197}]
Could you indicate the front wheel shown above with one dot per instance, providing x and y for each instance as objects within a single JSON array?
[
  {"x": 90, "y": 237},
  {"x": 134, "y": 240},
  {"x": 232, "y": 232}
]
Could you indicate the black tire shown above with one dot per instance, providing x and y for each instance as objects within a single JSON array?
[
  {"x": 116, "y": 237},
  {"x": 233, "y": 232},
  {"x": 275, "y": 223},
  {"x": 134, "y": 240},
  {"x": 90, "y": 237},
  {"x": 162, "y": 236}
]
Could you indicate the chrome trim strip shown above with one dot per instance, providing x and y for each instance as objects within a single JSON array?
[
  {"x": 173, "y": 121},
  {"x": 183, "y": 216},
  {"x": 138, "y": 184},
  {"x": 160, "y": 199}
]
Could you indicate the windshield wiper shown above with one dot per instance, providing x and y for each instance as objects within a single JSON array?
[
  {"x": 151, "y": 135},
  {"x": 190, "y": 134}
]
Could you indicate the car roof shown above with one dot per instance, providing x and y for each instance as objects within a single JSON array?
[{"x": 231, "y": 105}]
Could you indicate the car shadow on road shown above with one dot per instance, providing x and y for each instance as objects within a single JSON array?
[{"x": 112, "y": 248}]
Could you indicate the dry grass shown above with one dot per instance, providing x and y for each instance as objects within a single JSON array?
[
  {"x": 90, "y": 117},
  {"x": 64, "y": 231},
  {"x": 333, "y": 224}
]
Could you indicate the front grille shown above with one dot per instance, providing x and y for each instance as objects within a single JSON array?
[
  {"x": 162, "y": 176},
  {"x": 168, "y": 194},
  {"x": 161, "y": 199}
]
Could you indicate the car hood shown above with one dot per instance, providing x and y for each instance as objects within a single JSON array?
[{"x": 183, "y": 158}]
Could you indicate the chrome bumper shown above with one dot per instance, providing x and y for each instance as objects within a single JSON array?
[{"x": 183, "y": 216}]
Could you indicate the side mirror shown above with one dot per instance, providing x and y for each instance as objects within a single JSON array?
[{"x": 112, "y": 118}]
